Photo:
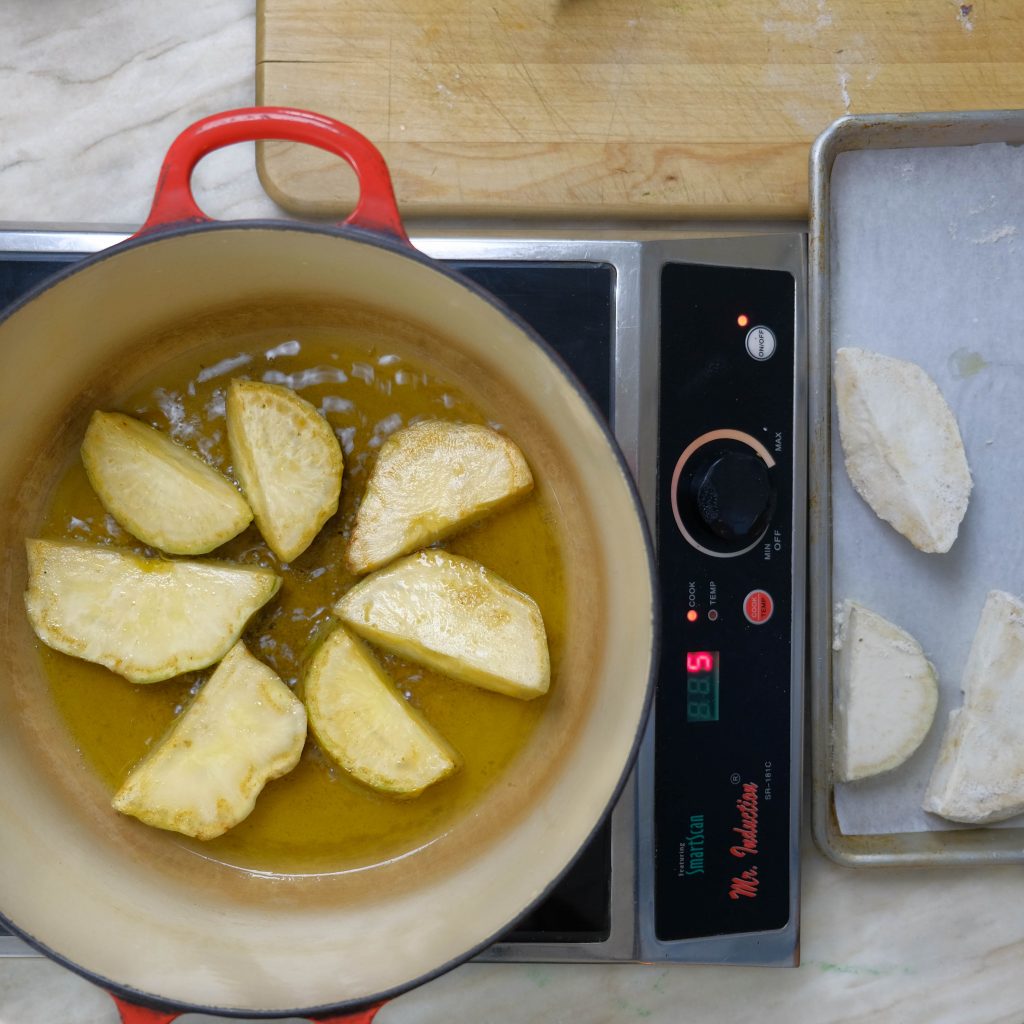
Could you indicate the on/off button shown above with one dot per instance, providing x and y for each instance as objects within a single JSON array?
[
  {"x": 760, "y": 342},
  {"x": 758, "y": 607}
]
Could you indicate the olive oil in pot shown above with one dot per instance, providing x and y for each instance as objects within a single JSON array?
[{"x": 316, "y": 819}]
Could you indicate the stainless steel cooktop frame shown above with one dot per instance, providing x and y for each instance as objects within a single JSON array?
[{"x": 636, "y": 262}]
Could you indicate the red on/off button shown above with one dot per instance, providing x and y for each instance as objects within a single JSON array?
[{"x": 758, "y": 607}]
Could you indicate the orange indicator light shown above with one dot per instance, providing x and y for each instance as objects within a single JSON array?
[
  {"x": 691, "y": 615},
  {"x": 743, "y": 319}
]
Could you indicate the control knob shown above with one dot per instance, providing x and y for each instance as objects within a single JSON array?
[{"x": 733, "y": 496}]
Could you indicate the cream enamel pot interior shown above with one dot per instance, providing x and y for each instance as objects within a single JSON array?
[{"x": 122, "y": 903}]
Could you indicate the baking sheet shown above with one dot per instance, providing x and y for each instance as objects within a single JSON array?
[{"x": 927, "y": 264}]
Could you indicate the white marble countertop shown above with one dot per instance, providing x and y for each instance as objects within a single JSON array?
[{"x": 92, "y": 95}]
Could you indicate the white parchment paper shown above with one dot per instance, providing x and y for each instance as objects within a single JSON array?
[{"x": 927, "y": 264}]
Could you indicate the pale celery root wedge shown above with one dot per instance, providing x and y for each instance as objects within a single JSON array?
[
  {"x": 157, "y": 489},
  {"x": 363, "y": 723},
  {"x": 902, "y": 447},
  {"x": 145, "y": 618},
  {"x": 455, "y": 616},
  {"x": 979, "y": 774},
  {"x": 885, "y": 698},
  {"x": 288, "y": 462},
  {"x": 244, "y": 728},
  {"x": 429, "y": 480}
]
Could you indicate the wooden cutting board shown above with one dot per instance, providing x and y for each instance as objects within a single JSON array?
[{"x": 613, "y": 108}]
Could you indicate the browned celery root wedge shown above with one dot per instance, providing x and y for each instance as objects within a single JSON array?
[
  {"x": 288, "y": 462},
  {"x": 429, "y": 480},
  {"x": 886, "y": 694},
  {"x": 362, "y": 722},
  {"x": 158, "y": 490},
  {"x": 244, "y": 728},
  {"x": 145, "y": 618},
  {"x": 902, "y": 446},
  {"x": 455, "y": 616}
]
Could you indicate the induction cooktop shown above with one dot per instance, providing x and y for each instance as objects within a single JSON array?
[{"x": 693, "y": 347}]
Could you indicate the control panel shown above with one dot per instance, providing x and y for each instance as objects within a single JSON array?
[{"x": 724, "y": 844}]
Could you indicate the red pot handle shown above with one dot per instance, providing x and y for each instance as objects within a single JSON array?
[
  {"x": 132, "y": 1014},
  {"x": 173, "y": 202}
]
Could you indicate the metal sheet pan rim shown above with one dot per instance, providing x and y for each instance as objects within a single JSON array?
[{"x": 856, "y": 132}]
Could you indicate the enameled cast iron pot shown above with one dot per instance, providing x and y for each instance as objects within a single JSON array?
[{"x": 124, "y": 904}]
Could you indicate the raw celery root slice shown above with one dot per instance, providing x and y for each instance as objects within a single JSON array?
[
  {"x": 979, "y": 774},
  {"x": 455, "y": 616},
  {"x": 363, "y": 723},
  {"x": 158, "y": 490},
  {"x": 288, "y": 462},
  {"x": 886, "y": 694},
  {"x": 145, "y": 618},
  {"x": 431, "y": 479},
  {"x": 902, "y": 447},
  {"x": 244, "y": 728}
]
